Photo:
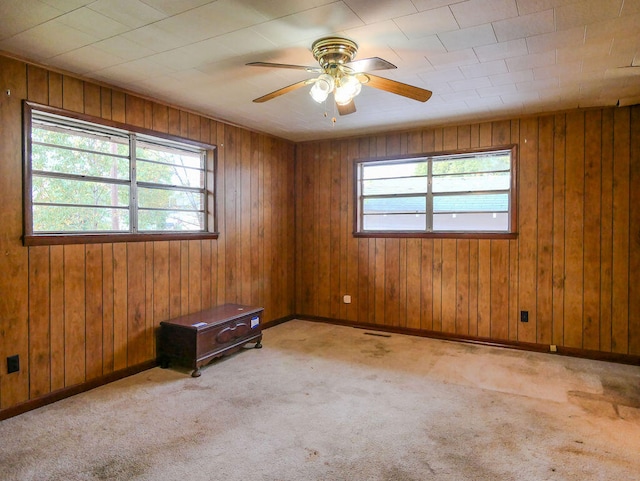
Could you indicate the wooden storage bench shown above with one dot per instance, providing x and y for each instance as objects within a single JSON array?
[{"x": 196, "y": 339}]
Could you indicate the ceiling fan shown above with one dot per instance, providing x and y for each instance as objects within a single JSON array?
[{"x": 341, "y": 75}]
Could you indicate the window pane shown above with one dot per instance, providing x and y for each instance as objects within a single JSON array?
[
  {"x": 64, "y": 161},
  {"x": 170, "y": 199},
  {"x": 394, "y": 169},
  {"x": 166, "y": 174},
  {"x": 51, "y": 190},
  {"x": 168, "y": 155},
  {"x": 395, "y": 204},
  {"x": 395, "y": 222},
  {"x": 479, "y": 222},
  {"x": 471, "y": 182},
  {"x": 68, "y": 137},
  {"x": 170, "y": 220},
  {"x": 471, "y": 203},
  {"x": 407, "y": 185},
  {"x": 55, "y": 218},
  {"x": 474, "y": 163}
]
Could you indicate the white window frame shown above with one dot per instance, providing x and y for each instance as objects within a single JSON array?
[
  {"x": 131, "y": 135},
  {"x": 429, "y": 231}
]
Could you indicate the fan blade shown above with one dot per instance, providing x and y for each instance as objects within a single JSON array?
[
  {"x": 395, "y": 87},
  {"x": 282, "y": 91},
  {"x": 368, "y": 64},
  {"x": 347, "y": 109},
  {"x": 285, "y": 65}
]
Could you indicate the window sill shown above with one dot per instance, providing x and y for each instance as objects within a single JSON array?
[
  {"x": 62, "y": 239},
  {"x": 439, "y": 235}
]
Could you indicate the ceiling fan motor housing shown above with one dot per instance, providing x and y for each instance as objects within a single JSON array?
[{"x": 333, "y": 51}]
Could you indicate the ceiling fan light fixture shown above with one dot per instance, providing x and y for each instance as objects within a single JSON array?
[
  {"x": 322, "y": 87},
  {"x": 348, "y": 87}
]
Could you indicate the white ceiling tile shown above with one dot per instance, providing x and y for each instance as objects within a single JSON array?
[
  {"x": 623, "y": 26},
  {"x": 130, "y": 72},
  {"x": 443, "y": 76},
  {"x": 16, "y": 17},
  {"x": 497, "y": 90},
  {"x": 376, "y": 34},
  {"x": 38, "y": 42},
  {"x": 470, "y": 84},
  {"x": 281, "y": 8},
  {"x": 423, "y": 5},
  {"x": 535, "y": 85},
  {"x": 445, "y": 61},
  {"x": 203, "y": 22},
  {"x": 155, "y": 38},
  {"x": 567, "y": 55},
  {"x": 193, "y": 55},
  {"x": 557, "y": 71},
  {"x": 525, "y": 7},
  {"x": 85, "y": 60},
  {"x": 132, "y": 13},
  {"x": 531, "y": 61},
  {"x": 477, "y": 12},
  {"x": 519, "y": 97},
  {"x": 173, "y": 7},
  {"x": 124, "y": 48},
  {"x": 245, "y": 41},
  {"x": 65, "y": 5},
  {"x": 571, "y": 38},
  {"x": 586, "y": 12},
  {"x": 460, "y": 96},
  {"x": 309, "y": 25},
  {"x": 427, "y": 23},
  {"x": 502, "y": 50},
  {"x": 525, "y": 26},
  {"x": 484, "y": 69},
  {"x": 512, "y": 77},
  {"x": 372, "y": 12},
  {"x": 630, "y": 7},
  {"x": 93, "y": 23},
  {"x": 468, "y": 37}
]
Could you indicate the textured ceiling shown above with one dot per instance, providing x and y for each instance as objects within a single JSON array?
[{"x": 483, "y": 59}]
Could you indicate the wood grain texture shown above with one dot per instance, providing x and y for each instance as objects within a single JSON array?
[{"x": 575, "y": 216}]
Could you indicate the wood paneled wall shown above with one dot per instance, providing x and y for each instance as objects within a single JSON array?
[
  {"x": 575, "y": 265},
  {"x": 77, "y": 312}
]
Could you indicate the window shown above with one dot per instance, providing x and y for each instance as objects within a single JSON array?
[
  {"x": 108, "y": 182},
  {"x": 465, "y": 194}
]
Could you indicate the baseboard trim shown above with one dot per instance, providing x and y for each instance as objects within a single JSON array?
[
  {"x": 73, "y": 390},
  {"x": 523, "y": 346},
  {"x": 275, "y": 322}
]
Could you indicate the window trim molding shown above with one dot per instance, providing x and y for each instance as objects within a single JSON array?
[
  {"x": 513, "y": 197},
  {"x": 31, "y": 239}
]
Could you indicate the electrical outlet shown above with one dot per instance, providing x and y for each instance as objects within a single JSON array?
[
  {"x": 347, "y": 299},
  {"x": 13, "y": 364},
  {"x": 524, "y": 316}
]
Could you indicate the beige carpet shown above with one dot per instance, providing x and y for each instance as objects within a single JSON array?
[{"x": 323, "y": 402}]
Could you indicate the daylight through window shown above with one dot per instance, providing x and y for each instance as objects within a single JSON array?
[
  {"x": 87, "y": 178},
  {"x": 470, "y": 192}
]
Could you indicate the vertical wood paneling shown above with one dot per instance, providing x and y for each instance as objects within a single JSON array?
[
  {"x": 559, "y": 153},
  {"x": 74, "y": 315},
  {"x": 592, "y": 218},
  {"x": 621, "y": 216},
  {"x": 574, "y": 230},
  {"x": 528, "y": 228},
  {"x": 544, "y": 273},
  {"x": 634, "y": 236},
  {"x": 39, "y": 330},
  {"x": 81, "y": 311},
  {"x": 93, "y": 310},
  {"x": 574, "y": 217}
]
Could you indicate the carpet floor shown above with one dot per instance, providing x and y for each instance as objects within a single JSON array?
[{"x": 325, "y": 402}]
